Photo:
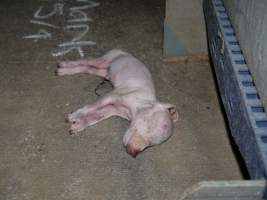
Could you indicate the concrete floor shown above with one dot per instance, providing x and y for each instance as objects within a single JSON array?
[{"x": 40, "y": 160}]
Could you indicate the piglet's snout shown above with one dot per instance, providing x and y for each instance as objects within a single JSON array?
[
  {"x": 132, "y": 151},
  {"x": 136, "y": 144}
]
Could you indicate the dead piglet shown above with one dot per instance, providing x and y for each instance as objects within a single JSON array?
[{"x": 133, "y": 98}]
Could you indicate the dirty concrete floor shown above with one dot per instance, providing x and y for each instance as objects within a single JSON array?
[{"x": 39, "y": 160}]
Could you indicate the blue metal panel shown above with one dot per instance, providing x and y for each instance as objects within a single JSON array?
[{"x": 246, "y": 115}]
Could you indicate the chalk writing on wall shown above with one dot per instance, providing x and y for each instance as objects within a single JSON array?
[{"x": 77, "y": 22}]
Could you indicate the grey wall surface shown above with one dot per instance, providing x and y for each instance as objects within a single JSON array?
[
  {"x": 249, "y": 18},
  {"x": 184, "y": 28}
]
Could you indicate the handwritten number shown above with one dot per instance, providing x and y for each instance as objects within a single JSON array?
[
  {"x": 91, "y": 4},
  {"x": 77, "y": 15},
  {"x": 83, "y": 27},
  {"x": 58, "y": 9},
  {"x": 44, "y": 24},
  {"x": 42, "y": 34},
  {"x": 70, "y": 46}
]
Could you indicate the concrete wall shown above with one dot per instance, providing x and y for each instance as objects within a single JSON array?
[
  {"x": 184, "y": 28},
  {"x": 249, "y": 18}
]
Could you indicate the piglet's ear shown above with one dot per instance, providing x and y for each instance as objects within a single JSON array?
[{"x": 172, "y": 110}]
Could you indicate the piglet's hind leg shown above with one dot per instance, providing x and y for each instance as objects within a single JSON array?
[
  {"x": 69, "y": 71},
  {"x": 97, "y": 66},
  {"x": 76, "y": 63},
  {"x": 99, "y": 63},
  {"x": 82, "y": 69}
]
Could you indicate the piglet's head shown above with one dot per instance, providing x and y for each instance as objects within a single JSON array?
[{"x": 152, "y": 125}]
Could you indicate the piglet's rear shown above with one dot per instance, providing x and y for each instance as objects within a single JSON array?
[{"x": 133, "y": 98}]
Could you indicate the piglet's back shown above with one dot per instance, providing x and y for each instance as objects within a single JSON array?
[{"x": 129, "y": 71}]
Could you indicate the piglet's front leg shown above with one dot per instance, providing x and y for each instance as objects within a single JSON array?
[
  {"x": 92, "y": 114},
  {"x": 90, "y": 118}
]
